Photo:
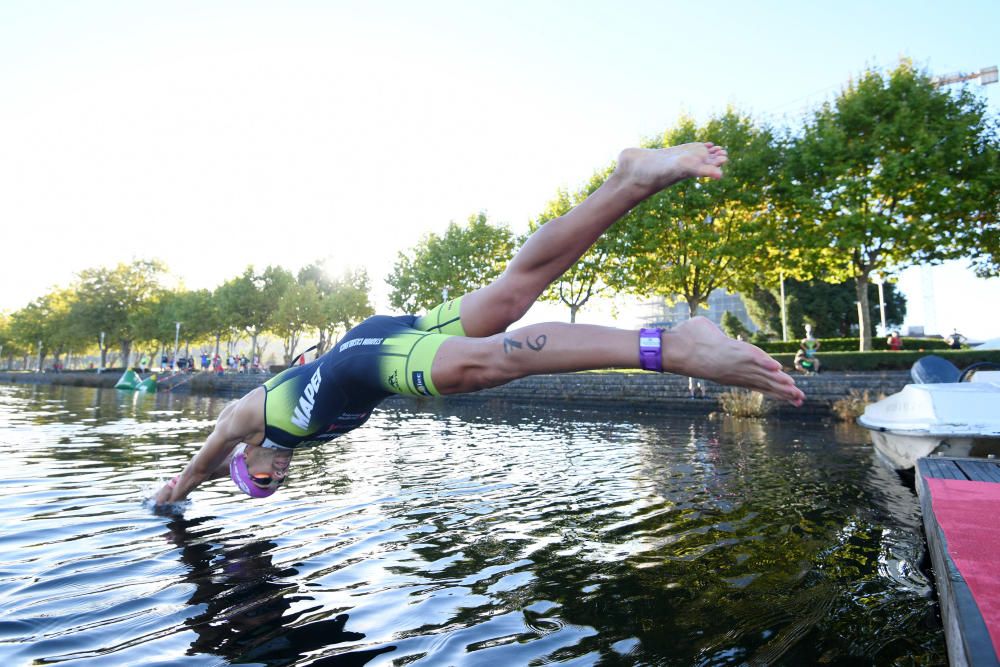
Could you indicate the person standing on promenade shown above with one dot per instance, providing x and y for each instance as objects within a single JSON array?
[
  {"x": 955, "y": 340},
  {"x": 463, "y": 345}
]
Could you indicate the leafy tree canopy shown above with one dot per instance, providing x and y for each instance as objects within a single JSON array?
[
  {"x": 343, "y": 300},
  {"x": 598, "y": 267},
  {"x": 831, "y": 308},
  {"x": 894, "y": 172},
  {"x": 108, "y": 300},
  {"x": 464, "y": 259},
  {"x": 701, "y": 235},
  {"x": 250, "y": 302}
]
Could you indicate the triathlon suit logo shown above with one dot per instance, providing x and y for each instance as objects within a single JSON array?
[
  {"x": 419, "y": 384},
  {"x": 303, "y": 411}
]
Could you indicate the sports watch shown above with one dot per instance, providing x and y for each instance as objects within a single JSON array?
[{"x": 650, "y": 354}]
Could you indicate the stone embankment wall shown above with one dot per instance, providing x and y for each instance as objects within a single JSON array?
[
  {"x": 672, "y": 392},
  {"x": 648, "y": 390}
]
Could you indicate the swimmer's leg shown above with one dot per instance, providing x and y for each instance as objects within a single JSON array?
[
  {"x": 695, "y": 348},
  {"x": 559, "y": 243}
]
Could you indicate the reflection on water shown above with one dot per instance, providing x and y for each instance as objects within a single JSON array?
[{"x": 457, "y": 534}]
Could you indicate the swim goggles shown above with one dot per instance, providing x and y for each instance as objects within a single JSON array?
[{"x": 255, "y": 485}]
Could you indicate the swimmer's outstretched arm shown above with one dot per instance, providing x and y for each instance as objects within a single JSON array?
[
  {"x": 695, "y": 348},
  {"x": 240, "y": 421}
]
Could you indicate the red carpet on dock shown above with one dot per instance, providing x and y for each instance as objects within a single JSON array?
[
  {"x": 969, "y": 514},
  {"x": 961, "y": 503}
]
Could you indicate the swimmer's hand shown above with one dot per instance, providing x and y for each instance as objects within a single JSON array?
[{"x": 163, "y": 496}]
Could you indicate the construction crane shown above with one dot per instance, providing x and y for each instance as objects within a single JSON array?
[{"x": 986, "y": 76}]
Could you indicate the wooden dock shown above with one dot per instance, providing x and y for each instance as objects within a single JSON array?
[{"x": 960, "y": 501}]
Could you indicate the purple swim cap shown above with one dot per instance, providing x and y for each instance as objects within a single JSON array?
[{"x": 241, "y": 475}]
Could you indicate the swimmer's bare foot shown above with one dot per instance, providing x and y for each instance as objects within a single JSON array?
[
  {"x": 698, "y": 348},
  {"x": 655, "y": 169}
]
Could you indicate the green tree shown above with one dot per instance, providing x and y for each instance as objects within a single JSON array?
[
  {"x": 61, "y": 337},
  {"x": 250, "y": 301},
  {"x": 153, "y": 322},
  {"x": 344, "y": 301},
  {"x": 197, "y": 315},
  {"x": 10, "y": 345},
  {"x": 156, "y": 321},
  {"x": 110, "y": 300},
  {"x": 698, "y": 236},
  {"x": 28, "y": 327},
  {"x": 347, "y": 303},
  {"x": 894, "y": 172},
  {"x": 223, "y": 324},
  {"x": 734, "y": 327},
  {"x": 465, "y": 258},
  {"x": 6, "y": 339},
  {"x": 830, "y": 307},
  {"x": 592, "y": 273},
  {"x": 43, "y": 326},
  {"x": 298, "y": 311}
]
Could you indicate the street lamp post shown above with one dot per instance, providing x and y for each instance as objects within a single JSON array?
[
  {"x": 177, "y": 336},
  {"x": 861, "y": 335},
  {"x": 878, "y": 280},
  {"x": 784, "y": 314}
]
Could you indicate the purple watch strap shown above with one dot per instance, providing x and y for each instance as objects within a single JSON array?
[{"x": 650, "y": 354}]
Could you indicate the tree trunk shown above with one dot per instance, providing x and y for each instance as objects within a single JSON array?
[
  {"x": 572, "y": 313},
  {"x": 126, "y": 353},
  {"x": 218, "y": 339},
  {"x": 321, "y": 345},
  {"x": 864, "y": 315},
  {"x": 692, "y": 307}
]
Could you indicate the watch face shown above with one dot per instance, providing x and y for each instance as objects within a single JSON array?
[{"x": 649, "y": 341}]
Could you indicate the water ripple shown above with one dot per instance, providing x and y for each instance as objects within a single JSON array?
[{"x": 446, "y": 534}]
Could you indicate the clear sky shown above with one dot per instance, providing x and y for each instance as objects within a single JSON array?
[{"x": 213, "y": 135}]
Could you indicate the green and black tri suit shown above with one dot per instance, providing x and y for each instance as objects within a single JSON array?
[{"x": 321, "y": 400}]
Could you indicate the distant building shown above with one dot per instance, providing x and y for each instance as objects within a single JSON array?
[{"x": 659, "y": 314}]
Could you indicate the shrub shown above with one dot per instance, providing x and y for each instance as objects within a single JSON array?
[
  {"x": 733, "y": 327},
  {"x": 853, "y": 405},
  {"x": 743, "y": 403},
  {"x": 890, "y": 361},
  {"x": 852, "y": 344}
]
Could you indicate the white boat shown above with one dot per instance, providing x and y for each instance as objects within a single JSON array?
[{"x": 942, "y": 412}]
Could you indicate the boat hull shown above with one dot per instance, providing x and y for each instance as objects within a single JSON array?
[
  {"x": 952, "y": 419},
  {"x": 901, "y": 450}
]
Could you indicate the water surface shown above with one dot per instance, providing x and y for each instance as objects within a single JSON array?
[{"x": 446, "y": 534}]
